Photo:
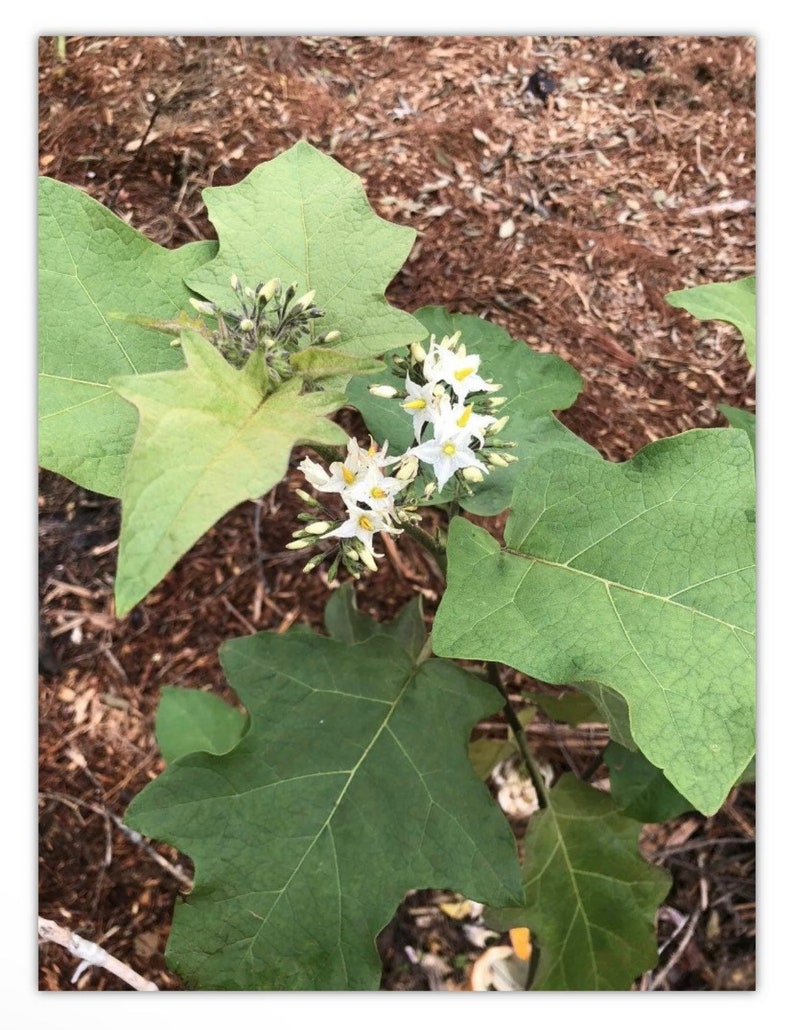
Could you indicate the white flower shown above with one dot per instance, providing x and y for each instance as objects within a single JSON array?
[
  {"x": 421, "y": 403},
  {"x": 451, "y": 417},
  {"x": 375, "y": 490},
  {"x": 448, "y": 452},
  {"x": 345, "y": 475},
  {"x": 362, "y": 523},
  {"x": 457, "y": 369}
]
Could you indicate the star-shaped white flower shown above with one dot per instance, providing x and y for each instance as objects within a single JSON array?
[
  {"x": 363, "y": 523},
  {"x": 457, "y": 369},
  {"x": 447, "y": 452}
]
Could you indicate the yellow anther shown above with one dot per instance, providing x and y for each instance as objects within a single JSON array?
[
  {"x": 464, "y": 418},
  {"x": 416, "y": 405},
  {"x": 462, "y": 373},
  {"x": 348, "y": 476},
  {"x": 449, "y": 449},
  {"x": 378, "y": 493},
  {"x": 366, "y": 524}
]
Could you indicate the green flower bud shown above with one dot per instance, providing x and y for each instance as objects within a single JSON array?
[
  {"x": 204, "y": 307},
  {"x": 472, "y": 474},
  {"x": 312, "y": 563}
]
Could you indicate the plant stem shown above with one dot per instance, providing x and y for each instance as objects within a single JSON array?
[
  {"x": 430, "y": 544},
  {"x": 518, "y": 732}
]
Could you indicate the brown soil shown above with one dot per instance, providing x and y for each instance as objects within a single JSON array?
[{"x": 560, "y": 186}]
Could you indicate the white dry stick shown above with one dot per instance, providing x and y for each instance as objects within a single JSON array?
[{"x": 91, "y": 955}]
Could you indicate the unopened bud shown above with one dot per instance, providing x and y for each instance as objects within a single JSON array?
[
  {"x": 496, "y": 402},
  {"x": 429, "y": 490},
  {"x": 297, "y": 545},
  {"x": 331, "y": 337},
  {"x": 496, "y": 460},
  {"x": 383, "y": 391},
  {"x": 318, "y": 528},
  {"x": 250, "y": 293},
  {"x": 203, "y": 306},
  {"x": 510, "y": 458},
  {"x": 307, "y": 498},
  {"x": 235, "y": 282},
  {"x": 306, "y": 300},
  {"x": 312, "y": 563},
  {"x": 270, "y": 289},
  {"x": 418, "y": 353},
  {"x": 496, "y": 427},
  {"x": 246, "y": 325},
  {"x": 407, "y": 469},
  {"x": 472, "y": 474},
  {"x": 367, "y": 557}
]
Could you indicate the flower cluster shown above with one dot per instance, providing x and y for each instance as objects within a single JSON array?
[
  {"x": 438, "y": 385},
  {"x": 455, "y": 433},
  {"x": 369, "y": 496}
]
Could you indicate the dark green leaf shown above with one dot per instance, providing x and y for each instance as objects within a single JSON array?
[{"x": 350, "y": 787}]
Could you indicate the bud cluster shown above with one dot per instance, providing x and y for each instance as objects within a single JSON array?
[
  {"x": 450, "y": 405},
  {"x": 268, "y": 318}
]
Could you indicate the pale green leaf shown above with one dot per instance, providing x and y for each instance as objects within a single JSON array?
[
  {"x": 93, "y": 269},
  {"x": 206, "y": 441},
  {"x": 304, "y": 218},
  {"x": 639, "y": 576},
  {"x": 590, "y": 898},
  {"x": 350, "y": 787},
  {"x": 724, "y": 302},
  {"x": 193, "y": 720},
  {"x": 534, "y": 385}
]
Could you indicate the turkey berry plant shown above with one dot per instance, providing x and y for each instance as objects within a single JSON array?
[{"x": 180, "y": 382}]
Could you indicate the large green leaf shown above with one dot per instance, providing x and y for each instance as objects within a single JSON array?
[
  {"x": 304, "y": 218},
  {"x": 590, "y": 898},
  {"x": 207, "y": 440},
  {"x": 638, "y": 576},
  {"x": 534, "y": 385},
  {"x": 92, "y": 269},
  {"x": 724, "y": 302},
  {"x": 350, "y": 787}
]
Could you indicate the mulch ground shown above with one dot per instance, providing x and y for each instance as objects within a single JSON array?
[{"x": 560, "y": 186}]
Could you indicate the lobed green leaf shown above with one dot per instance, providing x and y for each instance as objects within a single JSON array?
[
  {"x": 590, "y": 899},
  {"x": 207, "y": 440},
  {"x": 96, "y": 275},
  {"x": 350, "y": 787},
  {"x": 635, "y": 580},
  {"x": 304, "y": 218}
]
